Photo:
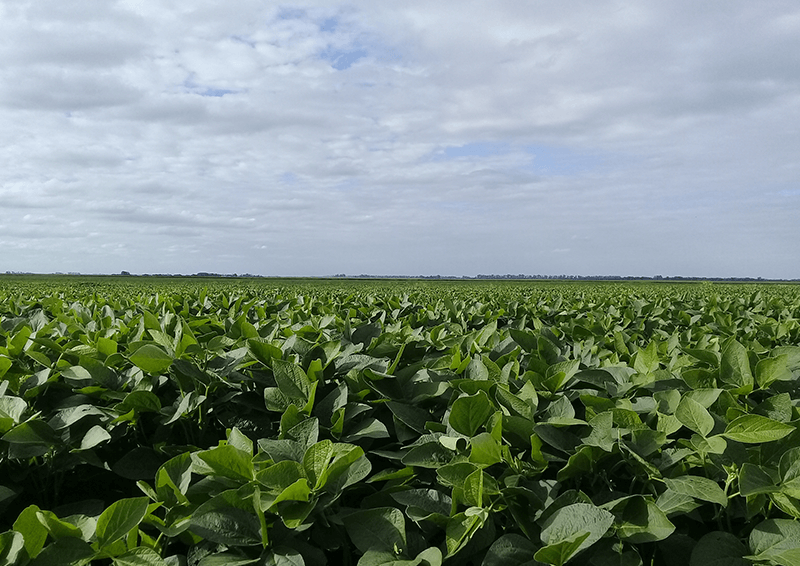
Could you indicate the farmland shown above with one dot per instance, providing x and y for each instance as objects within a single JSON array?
[{"x": 279, "y": 422}]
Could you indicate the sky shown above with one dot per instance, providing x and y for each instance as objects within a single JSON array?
[{"x": 454, "y": 137}]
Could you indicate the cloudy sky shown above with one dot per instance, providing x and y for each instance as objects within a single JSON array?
[{"x": 416, "y": 137}]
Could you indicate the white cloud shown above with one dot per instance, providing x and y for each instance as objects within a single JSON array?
[{"x": 404, "y": 138}]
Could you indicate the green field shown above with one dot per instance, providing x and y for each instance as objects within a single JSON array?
[{"x": 187, "y": 421}]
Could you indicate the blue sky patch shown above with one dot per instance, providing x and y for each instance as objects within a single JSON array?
[
  {"x": 218, "y": 92},
  {"x": 342, "y": 59},
  {"x": 477, "y": 149},
  {"x": 549, "y": 160}
]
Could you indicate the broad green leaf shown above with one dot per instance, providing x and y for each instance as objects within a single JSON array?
[
  {"x": 778, "y": 408},
  {"x": 263, "y": 352},
  {"x": 647, "y": 359},
  {"x": 227, "y": 519},
  {"x": 485, "y": 450},
  {"x": 349, "y": 465},
  {"x": 698, "y": 487},
  {"x": 30, "y": 527},
  {"x": 643, "y": 521},
  {"x": 120, "y": 517},
  {"x": 228, "y": 461},
  {"x": 240, "y": 441},
  {"x": 453, "y": 475},
  {"x": 770, "y": 370},
  {"x": 560, "y": 552},
  {"x": 280, "y": 475},
  {"x": 411, "y": 416},
  {"x": 5, "y": 365},
  {"x": 152, "y": 359},
  {"x": 94, "y": 436},
  {"x": 571, "y": 523},
  {"x": 292, "y": 380},
  {"x": 789, "y": 470},
  {"x": 777, "y": 540},
  {"x": 34, "y": 432},
  {"x": 754, "y": 429},
  {"x": 56, "y": 527},
  {"x": 460, "y": 529},
  {"x": 12, "y": 544},
  {"x": 734, "y": 369},
  {"x": 65, "y": 552},
  {"x": 429, "y": 455},
  {"x": 694, "y": 416},
  {"x": 754, "y": 480},
  {"x": 139, "y": 556},
  {"x": 429, "y": 501},
  {"x": 106, "y": 346},
  {"x": 284, "y": 556},
  {"x": 382, "y": 528},
  {"x": 719, "y": 549},
  {"x": 141, "y": 402},
  {"x": 316, "y": 461},
  {"x": 511, "y": 550},
  {"x": 469, "y": 413},
  {"x": 478, "y": 487},
  {"x": 173, "y": 478}
]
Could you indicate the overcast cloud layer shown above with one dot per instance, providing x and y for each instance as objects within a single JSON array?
[{"x": 448, "y": 137}]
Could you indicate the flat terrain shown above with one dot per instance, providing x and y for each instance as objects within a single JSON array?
[{"x": 275, "y": 421}]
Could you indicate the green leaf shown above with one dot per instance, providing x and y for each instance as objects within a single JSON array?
[
  {"x": 297, "y": 491},
  {"x": 263, "y": 352},
  {"x": 559, "y": 553},
  {"x": 227, "y": 519},
  {"x": 280, "y": 475},
  {"x": 57, "y": 528},
  {"x": 469, "y": 413},
  {"x": 460, "y": 529},
  {"x": 770, "y": 370},
  {"x": 94, "y": 436},
  {"x": 581, "y": 522},
  {"x": 719, "y": 549},
  {"x": 699, "y": 488},
  {"x": 34, "y": 432},
  {"x": 5, "y": 365},
  {"x": 228, "y": 461},
  {"x": 754, "y": 480},
  {"x": 283, "y": 556},
  {"x": 647, "y": 359},
  {"x": 694, "y": 416},
  {"x": 292, "y": 380},
  {"x": 316, "y": 461},
  {"x": 734, "y": 368},
  {"x": 173, "y": 478},
  {"x": 511, "y": 550},
  {"x": 141, "y": 402},
  {"x": 30, "y": 527},
  {"x": 151, "y": 358},
  {"x": 754, "y": 429},
  {"x": 65, "y": 552},
  {"x": 777, "y": 540},
  {"x": 120, "y": 517},
  {"x": 428, "y": 501},
  {"x": 139, "y": 556},
  {"x": 478, "y": 487},
  {"x": 12, "y": 544},
  {"x": 379, "y": 529},
  {"x": 641, "y": 521},
  {"x": 778, "y": 408},
  {"x": 429, "y": 455},
  {"x": 485, "y": 450}
]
